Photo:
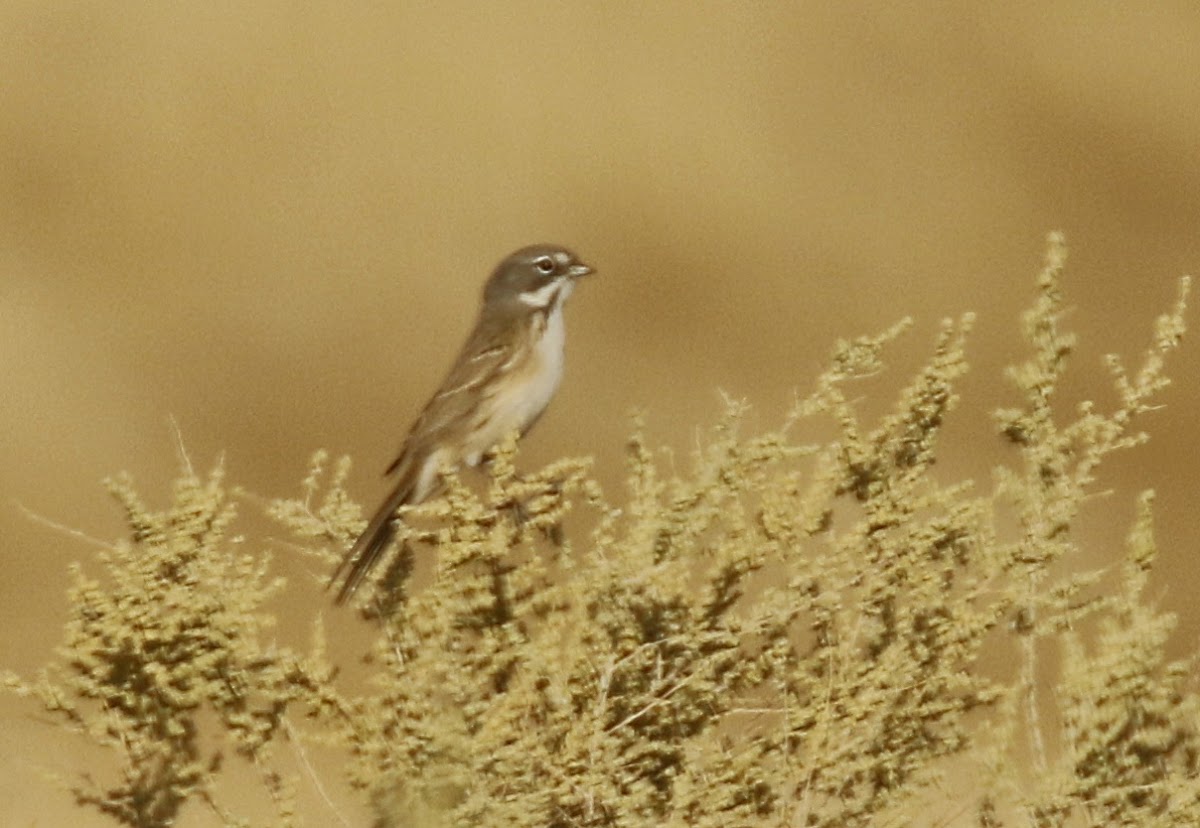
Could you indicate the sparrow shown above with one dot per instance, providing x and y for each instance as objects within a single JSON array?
[{"x": 500, "y": 383}]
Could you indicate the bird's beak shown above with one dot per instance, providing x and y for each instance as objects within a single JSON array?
[{"x": 579, "y": 269}]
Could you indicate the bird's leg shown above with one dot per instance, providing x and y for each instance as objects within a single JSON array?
[{"x": 520, "y": 515}]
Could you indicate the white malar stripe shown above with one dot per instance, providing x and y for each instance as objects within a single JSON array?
[{"x": 543, "y": 296}]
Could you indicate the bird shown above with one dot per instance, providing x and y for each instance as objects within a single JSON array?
[{"x": 501, "y": 382}]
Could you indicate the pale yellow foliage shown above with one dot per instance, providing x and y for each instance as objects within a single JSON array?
[{"x": 786, "y": 634}]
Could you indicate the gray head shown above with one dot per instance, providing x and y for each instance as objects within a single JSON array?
[{"x": 534, "y": 277}]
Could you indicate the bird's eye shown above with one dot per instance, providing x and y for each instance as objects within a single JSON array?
[{"x": 544, "y": 264}]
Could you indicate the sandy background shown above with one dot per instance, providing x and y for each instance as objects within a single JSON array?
[{"x": 270, "y": 221}]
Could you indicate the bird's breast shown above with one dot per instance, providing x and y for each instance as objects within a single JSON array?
[{"x": 519, "y": 398}]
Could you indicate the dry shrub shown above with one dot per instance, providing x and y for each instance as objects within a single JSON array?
[{"x": 788, "y": 634}]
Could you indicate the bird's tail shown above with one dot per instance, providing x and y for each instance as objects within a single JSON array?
[{"x": 369, "y": 547}]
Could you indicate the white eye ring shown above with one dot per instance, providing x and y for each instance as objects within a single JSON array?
[{"x": 544, "y": 264}]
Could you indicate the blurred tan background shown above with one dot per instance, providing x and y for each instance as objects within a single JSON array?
[{"x": 271, "y": 221}]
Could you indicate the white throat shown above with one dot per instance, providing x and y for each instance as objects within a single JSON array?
[{"x": 549, "y": 348}]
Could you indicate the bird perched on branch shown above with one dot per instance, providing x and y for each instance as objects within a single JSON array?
[{"x": 501, "y": 383}]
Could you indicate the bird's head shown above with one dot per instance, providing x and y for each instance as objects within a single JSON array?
[{"x": 534, "y": 277}]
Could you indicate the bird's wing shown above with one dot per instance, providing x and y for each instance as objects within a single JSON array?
[{"x": 487, "y": 354}]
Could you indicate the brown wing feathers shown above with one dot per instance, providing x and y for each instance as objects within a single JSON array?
[{"x": 481, "y": 359}]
